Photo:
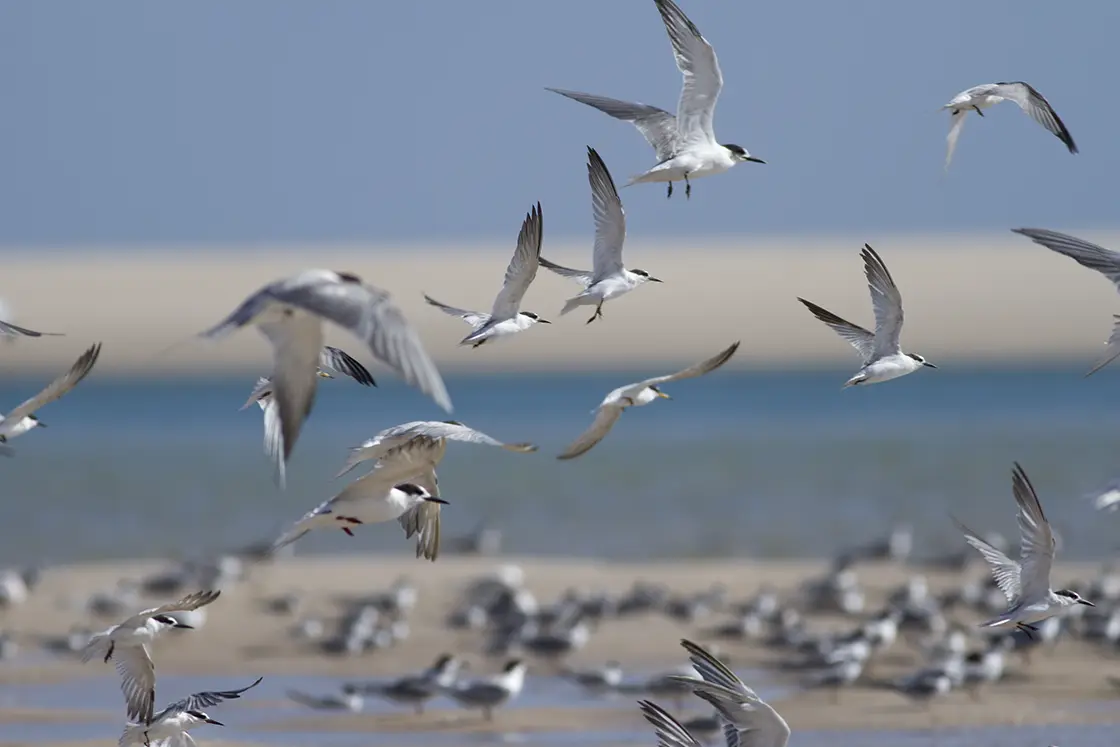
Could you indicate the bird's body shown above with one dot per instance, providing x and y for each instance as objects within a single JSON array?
[
  {"x": 22, "y": 418},
  {"x": 882, "y": 357},
  {"x": 1086, "y": 254},
  {"x": 685, "y": 145},
  {"x": 347, "y": 699},
  {"x": 174, "y": 721},
  {"x": 636, "y": 395},
  {"x": 128, "y": 644},
  {"x": 1026, "y": 583},
  {"x": 416, "y": 690},
  {"x": 487, "y": 693},
  {"x": 608, "y": 279},
  {"x": 506, "y": 317},
  {"x": 290, "y": 314},
  {"x": 979, "y": 98},
  {"x": 374, "y": 499}
]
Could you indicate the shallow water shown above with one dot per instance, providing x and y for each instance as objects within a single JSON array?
[{"x": 766, "y": 464}]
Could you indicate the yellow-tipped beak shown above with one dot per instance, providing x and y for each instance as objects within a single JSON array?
[{"x": 663, "y": 395}]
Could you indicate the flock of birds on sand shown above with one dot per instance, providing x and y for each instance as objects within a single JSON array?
[{"x": 402, "y": 484}]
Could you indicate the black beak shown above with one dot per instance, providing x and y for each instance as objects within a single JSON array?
[
  {"x": 40, "y": 424},
  {"x": 544, "y": 321},
  {"x": 752, "y": 158},
  {"x": 432, "y": 499},
  {"x": 184, "y": 626},
  {"x": 927, "y": 364},
  {"x": 215, "y": 723},
  {"x": 1086, "y": 602},
  {"x": 656, "y": 280}
]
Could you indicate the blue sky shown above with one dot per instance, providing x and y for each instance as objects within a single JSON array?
[{"x": 275, "y": 120}]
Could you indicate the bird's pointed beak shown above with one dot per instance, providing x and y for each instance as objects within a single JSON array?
[
  {"x": 663, "y": 395},
  {"x": 656, "y": 280},
  {"x": 215, "y": 723},
  {"x": 325, "y": 375},
  {"x": 544, "y": 321},
  {"x": 433, "y": 499},
  {"x": 927, "y": 364},
  {"x": 753, "y": 159},
  {"x": 184, "y": 626},
  {"x": 40, "y": 424},
  {"x": 1086, "y": 602}
]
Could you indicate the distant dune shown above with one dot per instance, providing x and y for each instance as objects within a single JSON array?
[{"x": 968, "y": 299}]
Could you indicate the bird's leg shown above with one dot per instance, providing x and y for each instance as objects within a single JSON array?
[
  {"x": 687, "y": 187},
  {"x": 598, "y": 313},
  {"x": 670, "y": 193},
  {"x": 349, "y": 531},
  {"x": 978, "y": 111},
  {"x": 1029, "y": 630},
  {"x": 109, "y": 655},
  {"x": 147, "y": 739}
]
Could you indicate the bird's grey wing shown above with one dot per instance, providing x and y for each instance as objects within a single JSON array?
[
  {"x": 138, "y": 681},
  {"x": 1005, "y": 571},
  {"x": 381, "y": 444},
  {"x": 1085, "y": 253},
  {"x": 369, "y": 315},
  {"x": 15, "y": 329},
  {"x": 954, "y": 135},
  {"x": 423, "y": 521},
  {"x": 713, "y": 670},
  {"x": 670, "y": 732},
  {"x": 188, "y": 603},
  {"x": 859, "y": 338},
  {"x": 339, "y": 361},
  {"x": 473, "y": 318},
  {"x": 522, "y": 267},
  {"x": 1038, "y": 108},
  {"x": 610, "y": 219},
  {"x": 732, "y": 737},
  {"x": 605, "y": 418},
  {"x": 658, "y": 126},
  {"x": 1036, "y": 553},
  {"x": 244, "y": 314},
  {"x": 274, "y": 440},
  {"x": 702, "y": 77},
  {"x": 296, "y": 342},
  {"x": 583, "y": 277},
  {"x": 699, "y": 369},
  {"x": 59, "y": 387},
  {"x": 262, "y": 389},
  {"x": 460, "y": 432},
  {"x": 886, "y": 300},
  {"x": 209, "y": 698}
]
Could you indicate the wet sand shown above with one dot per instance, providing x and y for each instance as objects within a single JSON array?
[
  {"x": 1064, "y": 685},
  {"x": 968, "y": 299}
]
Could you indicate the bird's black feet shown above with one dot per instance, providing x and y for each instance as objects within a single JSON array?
[
  {"x": 978, "y": 111},
  {"x": 670, "y": 192},
  {"x": 1028, "y": 630},
  {"x": 687, "y": 187},
  {"x": 109, "y": 655},
  {"x": 597, "y": 315}
]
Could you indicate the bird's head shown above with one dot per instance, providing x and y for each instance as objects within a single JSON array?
[
  {"x": 921, "y": 360},
  {"x": 38, "y": 423},
  {"x": 201, "y": 716},
  {"x": 659, "y": 393},
  {"x": 739, "y": 153},
  {"x": 646, "y": 276},
  {"x": 418, "y": 494},
  {"x": 171, "y": 622},
  {"x": 1069, "y": 596},
  {"x": 535, "y": 317}
]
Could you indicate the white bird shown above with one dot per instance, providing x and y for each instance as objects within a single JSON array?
[
  {"x": 685, "y": 145},
  {"x": 7, "y": 329},
  {"x": 609, "y": 278},
  {"x": 290, "y": 314},
  {"x": 418, "y": 447},
  {"x": 882, "y": 357},
  {"x": 1026, "y": 583},
  {"x": 1107, "y": 499},
  {"x": 981, "y": 97},
  {"x": 506, "y": 317},
  {"x": 487, "y": 693},
  {"x": 751, "y": 721},
  {"x": 1104, "y": 261},
  {"x": 670, "y": 732},
  {"x": 22, "y": 418},
  {"x": 348, "y": 699},
  {"x": 373, "y": 499},
  {"x": 174, "y": 721},
  {"x": 128, "y": 643},
  {"x": 636, "y": 395},
  {"x": 331, "y": 361}
]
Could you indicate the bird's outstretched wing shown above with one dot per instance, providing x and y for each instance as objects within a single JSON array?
[
  {"x": 205, "y": 699},
  {"x": 583, "y": 277},
  {"x": 954, "y": 135},
  {"x": 1038, "y": 108},
  {"x": 859, "y": 338},
  {"x": 59, "y": 387},
  {"x": 699, "y": 369},
  {"x": 1005, "y": 571},
  {"x": 610, "y": 219},
  {"x": 138, "y": 681},
  {"x": 886, "y": 300},
  {"x": 670, "y": 732},
  {"x": 187, "y": 604},
  {"x": 456, "y": 431},
  {"x": 15, "y": 329},
  {"x": 473, "y": 318},
  {"x": 337, "y": 360},
  {"x": 605, "y": 418},
  {"x": 522, "y": 267},
  {"x": 423, "y": 521},
  {"x": 658, "y": 126},
  {"x": 699, "y": 67},
  {"x": 1036, "y": 554}
]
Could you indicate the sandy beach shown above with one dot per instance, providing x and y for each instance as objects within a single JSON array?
[
  {"x": 1057, "y": 686},
  {"x": 980, "y": 298}
]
